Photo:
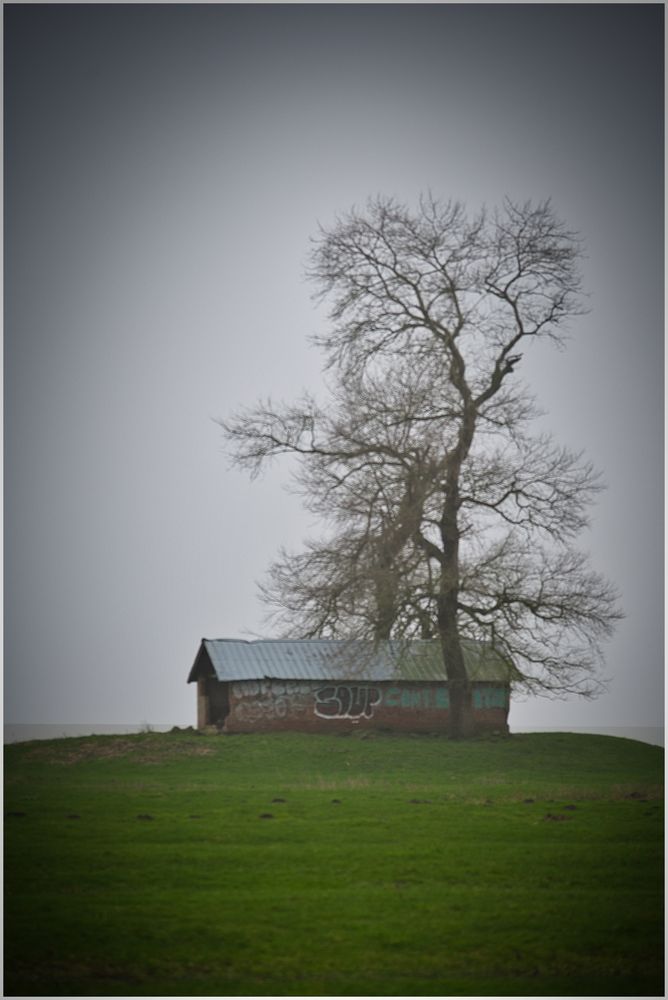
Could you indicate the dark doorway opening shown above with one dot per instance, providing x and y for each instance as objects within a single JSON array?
[{"x": 219, "y": 701}]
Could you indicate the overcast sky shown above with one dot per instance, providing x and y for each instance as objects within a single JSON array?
[{"x": 165, "y": 167}]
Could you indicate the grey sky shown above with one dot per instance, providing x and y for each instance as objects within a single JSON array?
[{"x": 165, "y": 167}]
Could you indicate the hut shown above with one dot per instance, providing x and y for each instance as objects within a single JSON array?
[{"x": 323, "y": 685}]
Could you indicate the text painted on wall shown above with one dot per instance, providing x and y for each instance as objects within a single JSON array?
[
  {"x": 346, "y": 701},
  {"x": 357, "y": 701}
]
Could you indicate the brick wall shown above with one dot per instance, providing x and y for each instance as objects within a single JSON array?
[{"x": 314, "y": 706}]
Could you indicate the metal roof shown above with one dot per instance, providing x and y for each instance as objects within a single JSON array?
[{"x": 340, "y": 659}]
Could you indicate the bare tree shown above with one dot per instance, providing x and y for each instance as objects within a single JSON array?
[{"x": 445, "y": 517}]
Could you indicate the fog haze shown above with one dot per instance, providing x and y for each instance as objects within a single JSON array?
[{"x": 165, "y": 167}]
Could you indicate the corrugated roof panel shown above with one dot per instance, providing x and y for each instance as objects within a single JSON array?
[{"x": 328, "y": 659}]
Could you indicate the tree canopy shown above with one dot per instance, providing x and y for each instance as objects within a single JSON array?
[{"x": 444, "y": 514}]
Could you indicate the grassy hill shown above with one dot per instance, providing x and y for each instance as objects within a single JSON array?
[{"x": 287, "y": 864}]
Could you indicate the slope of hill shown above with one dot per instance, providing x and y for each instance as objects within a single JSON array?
[{"x": 179, "y": 864}]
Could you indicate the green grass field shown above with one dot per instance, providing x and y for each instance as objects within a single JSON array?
[{"x": 288, "y": 864}]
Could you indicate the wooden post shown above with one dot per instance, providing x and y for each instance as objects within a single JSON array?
[{"x": 203, "y": 707}]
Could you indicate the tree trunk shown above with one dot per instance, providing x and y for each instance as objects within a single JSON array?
[
  {"x": 461, "y": 709},
  {"x": 461, "y": 721},
  {"x": 385, "y": 594}
]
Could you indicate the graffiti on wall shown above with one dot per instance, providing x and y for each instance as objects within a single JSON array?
[
  {"x": 346, "y": 701},
  {"x": 271, "y": 701},
  {"x": 350, "y": 701},
  {"x": 396, "y": 697},
  {"x": 490, "y": 697}
]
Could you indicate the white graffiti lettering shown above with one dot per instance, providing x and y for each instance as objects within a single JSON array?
[{"x": 345, "y": 701}]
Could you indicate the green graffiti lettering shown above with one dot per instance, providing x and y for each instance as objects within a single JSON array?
[
  {"x": 489, "y": 698},
  {"x": 410, "y": 698},
  {"x": 392, "y": 697},
  {"x": 442, "y": 698}
]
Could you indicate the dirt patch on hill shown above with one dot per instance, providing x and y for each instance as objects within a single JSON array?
[{"x": 144, "y": 749}]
